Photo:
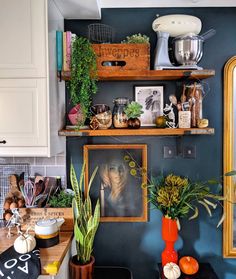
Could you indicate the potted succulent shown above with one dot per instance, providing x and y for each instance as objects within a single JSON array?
[
  {"x": 86, "y": 221},
  {"x": 83, "y": 81},
  {"x": 133, "y": 112}
]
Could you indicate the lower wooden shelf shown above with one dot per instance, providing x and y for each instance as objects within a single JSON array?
[{"x": 136, "y": 132}]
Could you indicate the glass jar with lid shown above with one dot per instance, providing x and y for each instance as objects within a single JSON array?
[
  {"x": 120, "y": 119},
  {"x": 194, "y": 95}
]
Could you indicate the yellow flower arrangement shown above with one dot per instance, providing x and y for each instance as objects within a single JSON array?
[{"x": 176, "y": 196}]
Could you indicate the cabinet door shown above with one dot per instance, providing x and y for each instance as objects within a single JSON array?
[
  {"x": 23, "y": 49},
  {"x": 23, "y": 112}
]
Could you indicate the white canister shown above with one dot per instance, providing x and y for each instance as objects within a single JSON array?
[{"x": 47, "y": 232}]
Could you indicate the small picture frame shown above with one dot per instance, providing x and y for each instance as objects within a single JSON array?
[
  {"x": 118, "y": 183},
  {"x": 151, "y": 98}
]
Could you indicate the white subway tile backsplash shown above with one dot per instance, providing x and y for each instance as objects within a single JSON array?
[
  {"x": 6, "y": 160},
  {"x": 56, "y": 171},
  {"x": 60, "y": 160},
  {"x": 53, "y": 166},
  {"x": 37, "y": 170},
  {"x": 28, "y": 160},
  {"x": 45, "y": 161}
]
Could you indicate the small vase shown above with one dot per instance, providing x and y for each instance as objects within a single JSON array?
[
  {"x": 169, "y": 235},
  {"x": 134, "y": 123},
  {"x": 78, "y": 271}
]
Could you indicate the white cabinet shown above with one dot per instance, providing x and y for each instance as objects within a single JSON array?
[
  {"x": 23, "y": 27},
  {"x": 23, "y": 110},
  {"x": 32, "y": 102}
]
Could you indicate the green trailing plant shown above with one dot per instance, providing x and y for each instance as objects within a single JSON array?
[
  {"x": 133, "y": 110},
  {"x": 83, "y": 81},
  {"x": 63, "y": 199},
  {"x": 86, "y": 220},
  {"x": 136, "y": 39}
]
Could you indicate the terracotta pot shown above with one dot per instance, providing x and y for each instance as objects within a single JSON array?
[
  {"x": 78, "y": 271},
  {"x": 169, "y": 235},
  {"x": 134, "y": 123}
]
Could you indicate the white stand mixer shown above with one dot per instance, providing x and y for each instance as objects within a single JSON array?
[{"x": 174, "y": 26}]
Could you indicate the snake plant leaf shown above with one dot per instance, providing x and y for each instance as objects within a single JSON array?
[
  {"x": 78, "y": 235},
  {"x": 86, "y": 221}
]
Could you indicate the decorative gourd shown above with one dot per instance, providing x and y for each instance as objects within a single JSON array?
[
  {"x": 188, "y": 265},
  {"x": 24, "y": 243},
  {"x": 171, "y": 271}
]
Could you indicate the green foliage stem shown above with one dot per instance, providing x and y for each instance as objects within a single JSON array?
[{"x": 83, "y": 82}]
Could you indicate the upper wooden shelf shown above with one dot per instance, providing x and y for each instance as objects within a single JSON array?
[
  {"x": 136, "y": 132},
  {"x": 110, "y": 75}
]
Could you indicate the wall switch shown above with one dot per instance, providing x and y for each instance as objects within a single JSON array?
[
  {"x": 169, "y": 151},
  {"x": 189, "y": 151}
]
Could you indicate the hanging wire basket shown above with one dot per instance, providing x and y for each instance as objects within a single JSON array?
[{"x": 100, "y": 33}]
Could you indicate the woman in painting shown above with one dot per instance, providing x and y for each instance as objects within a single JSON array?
[{"x": 117, "y": 195}]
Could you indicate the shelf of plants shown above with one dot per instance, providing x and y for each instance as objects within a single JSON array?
[
  {"x": 119, "y": 74},
  {"x": 137, "y": 132}
]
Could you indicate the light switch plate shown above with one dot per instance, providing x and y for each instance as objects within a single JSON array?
[
  {"x": 169, "y": 151},
  {"x": 189, "y": 151}
]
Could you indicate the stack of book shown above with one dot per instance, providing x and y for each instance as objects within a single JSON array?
[{"x": 64, "y": 46}]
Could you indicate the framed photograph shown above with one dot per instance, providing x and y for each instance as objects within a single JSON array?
[
  {"x": 229, "y": 228},
  {"x": 118, "y": 183},
  {"x": 151, "y": 98}
]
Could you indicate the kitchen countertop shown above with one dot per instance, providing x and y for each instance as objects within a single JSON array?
[{"x": 47, "y": 255}]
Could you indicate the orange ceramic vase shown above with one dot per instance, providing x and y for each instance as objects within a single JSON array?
[{"x": 169, "y": 235}]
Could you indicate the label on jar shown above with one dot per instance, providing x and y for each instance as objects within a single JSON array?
[{"x": 184, "y": 119}]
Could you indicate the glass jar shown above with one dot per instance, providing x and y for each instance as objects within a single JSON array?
[
  {"x": 194, "y": 95},
  {"x": 120, "y": 119}
]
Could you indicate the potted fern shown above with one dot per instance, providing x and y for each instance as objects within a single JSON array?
[
  {"x": 86, "y": 221},
  {"x": 133, "y": 112},
  {"x": 83, "y": 81}
]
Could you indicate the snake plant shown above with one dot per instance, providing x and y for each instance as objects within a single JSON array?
[{"x": 86, "y": 220}]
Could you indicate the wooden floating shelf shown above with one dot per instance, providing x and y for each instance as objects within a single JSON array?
[
  {"x": 136, "y": 132},
  {"x": 112, "y": 75}
]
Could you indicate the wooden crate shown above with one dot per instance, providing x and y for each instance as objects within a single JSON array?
[
  {"x": 122, "y": 56},
  {"x": 31, "y": 215}
]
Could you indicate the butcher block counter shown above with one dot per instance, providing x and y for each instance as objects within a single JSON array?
[{"x": 56, "y": 253}]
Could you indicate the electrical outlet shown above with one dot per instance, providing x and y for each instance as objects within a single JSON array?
[
  {"x": 169, "y": 151},
  {"x": 189, "y": 151}
]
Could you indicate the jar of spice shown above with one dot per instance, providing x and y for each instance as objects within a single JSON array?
[
  {"x": 120, "y": 119},
  {"x": 194, "y": 95}
]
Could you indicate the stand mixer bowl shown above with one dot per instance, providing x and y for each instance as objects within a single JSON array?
[{"x": 188, "y": 49}]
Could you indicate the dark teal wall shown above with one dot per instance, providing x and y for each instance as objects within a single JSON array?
[{"x": 139, "y": 245}]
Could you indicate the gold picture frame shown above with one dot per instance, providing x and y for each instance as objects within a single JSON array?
[
  {"x": 122, "y": 197},
  {"x": 229, "y": 157}
]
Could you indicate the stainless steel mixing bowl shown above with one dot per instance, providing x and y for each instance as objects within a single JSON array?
[{"x": 188, "y": 49}]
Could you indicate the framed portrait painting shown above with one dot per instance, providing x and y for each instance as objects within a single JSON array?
[
  {"x": 151, "y": 98},
  {"x": 118, "y": 182},
  {"x": 229, "y": 227}
]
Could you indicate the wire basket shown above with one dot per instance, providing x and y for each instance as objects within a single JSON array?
[
  {"x": 5, "y": 171},
  {"x": 100, "y": 33}
]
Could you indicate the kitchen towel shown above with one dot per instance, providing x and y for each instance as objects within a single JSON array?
[{"x": 20, "y": 266}]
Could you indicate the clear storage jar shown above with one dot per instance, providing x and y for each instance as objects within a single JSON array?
[{"x": 120, "y": 119}]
